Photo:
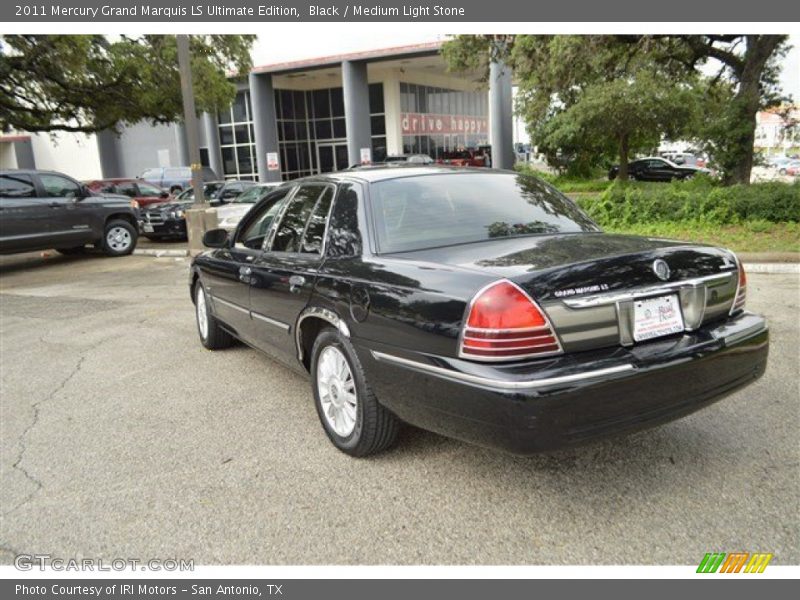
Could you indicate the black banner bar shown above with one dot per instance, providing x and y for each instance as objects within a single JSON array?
[{"x": 42, "y": 11}]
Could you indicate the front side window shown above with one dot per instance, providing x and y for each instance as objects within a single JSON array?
[
  {"x": 258, "y": 225},
  {"x": 16, "y": 186},
  {"x": 59, "y": 187},
  {"x": 127, "y": 189},
  {"x": 413, "y": 213},
  {"x": 290, "y": 230},
  {"x": 148, "y": 190}
]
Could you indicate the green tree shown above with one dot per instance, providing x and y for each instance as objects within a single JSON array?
[
  {"x": 82, "y": 83},
  {"x": 747, "y": 81},
  {"x": 588, "y": 98}
]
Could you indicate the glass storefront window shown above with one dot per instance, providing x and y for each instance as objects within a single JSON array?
[{"x": 237, "y": 139}]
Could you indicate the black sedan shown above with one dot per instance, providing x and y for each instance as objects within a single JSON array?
[
  {"x": 482, "y": 305},
  {"x": 168, "y": 219},
  {"x": 657, "y": 169}
]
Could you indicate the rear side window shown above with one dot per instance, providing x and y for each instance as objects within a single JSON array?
[
  {"x": 290, "y": 230},
  {"x": 315, "y": 230},
  {"x": 59, "y": 187},
  {"x": 344, "y": 237},
  {"x": 16, "y": 186}
]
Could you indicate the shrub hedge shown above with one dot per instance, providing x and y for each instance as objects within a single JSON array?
[{"x": 700, "y": 200}]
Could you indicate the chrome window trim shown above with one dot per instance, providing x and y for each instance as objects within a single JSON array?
[
  {"x": 500, "y": 384},
  {"x": 615, "y": 297},
  {"x": 249, "y": 313}
]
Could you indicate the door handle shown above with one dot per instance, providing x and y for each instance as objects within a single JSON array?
[{"x": 296, "y": 282}]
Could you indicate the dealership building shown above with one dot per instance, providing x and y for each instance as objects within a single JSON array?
[{"x": 299, "y": 118}]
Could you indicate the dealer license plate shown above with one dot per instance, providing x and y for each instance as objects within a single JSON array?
[
  {"x": 147, "y": 228},
  {"x": 655, "y": 317}
]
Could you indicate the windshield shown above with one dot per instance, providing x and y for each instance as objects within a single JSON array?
[
  {"x": 250, "y": 196},
  {"x": 413, "y": 213}
]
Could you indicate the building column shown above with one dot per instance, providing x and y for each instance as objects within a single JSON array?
[
  {"x": 265, "y": 124},
  {"x": 501, "y": 116},
  {"x": 182, "y": 143},
  {"x": 393, "y": 110},
  {"x": 356, "y": 109},
  {"x": 212, "y": 143},
  {"x": 109, "y": 156}
]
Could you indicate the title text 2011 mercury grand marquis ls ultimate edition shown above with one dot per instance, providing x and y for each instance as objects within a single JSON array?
[{"x": 480, "y": 305}]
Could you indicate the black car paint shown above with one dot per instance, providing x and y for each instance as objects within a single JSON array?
[
  {"x": 44, "y": 222},
  {"x": 642, "y": 170},
  {"x": 412, "y": 305}
]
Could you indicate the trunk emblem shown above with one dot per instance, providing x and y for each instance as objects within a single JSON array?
[{"x": 661, "y": 269}]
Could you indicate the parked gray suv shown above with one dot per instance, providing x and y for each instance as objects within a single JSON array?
[
  {"x": 44, "y": 209},
  {"x": 174, "y": 179}
]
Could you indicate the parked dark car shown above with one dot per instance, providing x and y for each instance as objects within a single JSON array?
[
  {"x": 174, "y": 179},
  {"x": 40, "y": 210},
  {"x": 168, "y": 220},
  {"x": 657, "y": 169},
  {"x": 482, "y": 305},
  {"x": 145, "y": 194}
]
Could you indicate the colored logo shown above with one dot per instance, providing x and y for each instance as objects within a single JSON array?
[{"x": 734, "y": 562}]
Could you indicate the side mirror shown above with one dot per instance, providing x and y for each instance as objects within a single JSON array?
[
  {"x": 215, "y": 238},
  {"x": 164, "y": 194},
  {"x": 85, "y": 193}
]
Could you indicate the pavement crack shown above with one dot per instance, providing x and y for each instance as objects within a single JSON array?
[{"x": 17, "y": 465}]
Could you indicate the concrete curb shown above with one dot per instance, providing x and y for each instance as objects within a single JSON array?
[
  {"x": 772, "y": 268},
  {"x": 160, "y": 253}
]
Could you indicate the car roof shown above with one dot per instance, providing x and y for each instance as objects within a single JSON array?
[
  {"x": 33, "y": 172},
  {"x": 371, "y": 174}
]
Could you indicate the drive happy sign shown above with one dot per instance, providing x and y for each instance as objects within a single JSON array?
[{"x": 417, "y": 123}]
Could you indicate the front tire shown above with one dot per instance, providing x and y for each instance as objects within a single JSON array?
[
  {"x": 119, "y": 238},
  {"x": 212, "y": 336},
  {"x": 353, "y": 419}
]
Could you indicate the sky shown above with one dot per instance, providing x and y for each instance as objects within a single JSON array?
[{"x": 282, "y": 46}]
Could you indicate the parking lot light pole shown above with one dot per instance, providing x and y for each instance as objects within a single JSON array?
[{"x": 199, "y": 218}]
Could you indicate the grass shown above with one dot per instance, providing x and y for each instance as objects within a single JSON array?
[{"x": 754, "y": 236}]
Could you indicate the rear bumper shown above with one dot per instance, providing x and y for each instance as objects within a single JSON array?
[{"x": 573, "y": 399}]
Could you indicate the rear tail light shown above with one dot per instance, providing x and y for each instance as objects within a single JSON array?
[
  {"x": 741, "y": 289},
  {"x": 504, "y": 323}
]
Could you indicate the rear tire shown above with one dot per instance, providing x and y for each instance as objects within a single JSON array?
[
  {"x": 212, "y": 336},
  {"x": 119, "y": 238},
  {"x": 353, "y": 419}
]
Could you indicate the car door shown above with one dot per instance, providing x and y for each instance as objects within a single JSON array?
[
  {"x": 227, "y": 272},
  {"x": 68, "y": 222},
  {"x": 283, "y": 275},
  {"x": 660, "y": 170},
  {"x": 23, "y": 215}
]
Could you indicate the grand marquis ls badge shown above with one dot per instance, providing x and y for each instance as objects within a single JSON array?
[{"x": 661, "y": 269}]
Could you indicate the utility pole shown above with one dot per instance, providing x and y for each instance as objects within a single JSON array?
[
  {"x": 190, "y": 119},
  {"x": 198, "y": 218}
]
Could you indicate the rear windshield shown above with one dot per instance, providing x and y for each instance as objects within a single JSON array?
[{"x": 413, "y": 213}]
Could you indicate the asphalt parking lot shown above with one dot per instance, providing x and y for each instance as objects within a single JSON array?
[{"x": 123, "y": 437}]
